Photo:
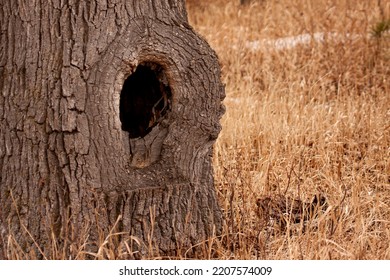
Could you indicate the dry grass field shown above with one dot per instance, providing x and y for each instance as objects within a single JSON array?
[{"x": 302, "y": 119}]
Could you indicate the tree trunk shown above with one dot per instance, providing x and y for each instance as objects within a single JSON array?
[{"x": 108, "y": 114}]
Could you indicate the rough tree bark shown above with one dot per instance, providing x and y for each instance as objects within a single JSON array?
[{"x": 79, "y": 160}]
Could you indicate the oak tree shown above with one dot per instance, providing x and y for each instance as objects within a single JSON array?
[{"x": 108, "y": 114}]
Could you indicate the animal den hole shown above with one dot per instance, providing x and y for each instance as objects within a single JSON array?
[{"x": 145, "y": 100}]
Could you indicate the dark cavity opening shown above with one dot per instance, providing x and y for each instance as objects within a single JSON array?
[{"x": 145, "y": 100}]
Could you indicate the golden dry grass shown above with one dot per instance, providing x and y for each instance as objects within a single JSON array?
[{"x": 300, "y": 121}]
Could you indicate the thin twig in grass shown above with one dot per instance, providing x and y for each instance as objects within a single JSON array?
[
  {"x": 338, "y": 209},
  {"x": 102, "y": 247},
  {"x": 152, "y": 213},
  {"x": 289, "y": 176}
]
